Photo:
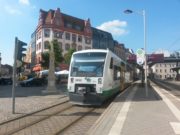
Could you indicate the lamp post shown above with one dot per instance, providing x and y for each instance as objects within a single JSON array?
[
  {"x": 143, "y": 13},
  {"x": 0, "y": 64}
]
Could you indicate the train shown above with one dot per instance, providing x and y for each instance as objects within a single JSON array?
[{"x": 95, "y": 75}]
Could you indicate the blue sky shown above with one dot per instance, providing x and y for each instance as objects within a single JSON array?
[{"x": 20, "y": 17}]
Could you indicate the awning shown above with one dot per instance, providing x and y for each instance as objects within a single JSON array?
[{"x": 37, "y": 68}]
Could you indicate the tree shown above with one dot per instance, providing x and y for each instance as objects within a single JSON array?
[
  {"x": 45, "y": 60},
  {"x": 67, "y": 56},
  {"x": 57, "y": 54}
]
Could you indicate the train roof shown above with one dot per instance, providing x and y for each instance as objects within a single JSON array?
[{"x": 92, "y": 50}]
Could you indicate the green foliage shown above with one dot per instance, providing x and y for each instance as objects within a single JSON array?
[
  {"x": 57, "y": 54},
  {"x": 67, "y": 56},
  {"x": 45, "y": 60}
]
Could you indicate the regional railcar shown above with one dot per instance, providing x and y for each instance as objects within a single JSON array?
[{"x": 95, "y": 75}]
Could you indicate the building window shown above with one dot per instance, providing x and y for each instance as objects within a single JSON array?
[
  {"x": 58, "y": 34},
  {"x": 60, "y": 45},
  {"x": 164, "y": 76},
  {"x": 69, "y": 25},
  {"x": 165, "y": 70},
  {"x": 46, "y": 45},
  {"x": 73, "y": 37},
  {"x": 156, "y": 70},
  {"x": 68, "y": 36},
  {"x": 79, "y": 38},
  {"x": 87, "y": 40},
  {"x": 79, "y": 47},
  {"x": 39, "y": 46},
  {"x": 74, "y": 46},
  {"x": 39, "y": 34},
  {"x": 160, "y": 70},
  {"x": 47, "y": 33},
  {"x": 77, "y": 27},
  {"x": 67, "y": 47}
]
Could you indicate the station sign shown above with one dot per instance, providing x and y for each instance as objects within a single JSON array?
[
  {"x": 140, "y": 56},
  {"x": 140, "y": 53},
  {"x": 140, "y": 60}
]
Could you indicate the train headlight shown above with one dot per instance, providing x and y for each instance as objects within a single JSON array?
[{"x": 99, "y": 80}]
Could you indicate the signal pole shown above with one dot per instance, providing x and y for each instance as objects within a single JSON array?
[
  {"x": 14, "y": 76},
  {"x": 18, "y": 54}
]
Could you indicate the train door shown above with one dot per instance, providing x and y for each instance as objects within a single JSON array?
[{"x": 122, "y": 77}]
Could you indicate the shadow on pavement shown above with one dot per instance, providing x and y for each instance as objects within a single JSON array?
[
  {"x": 141, "y": 93},
  {"x": 6, "y": 91}
]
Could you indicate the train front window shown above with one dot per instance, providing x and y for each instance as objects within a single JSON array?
[{"x": 88, "y": 65}]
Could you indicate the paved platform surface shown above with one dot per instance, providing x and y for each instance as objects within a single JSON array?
[
  {"x": 28, "y": 100},
  {"x": 140, "y": 110}
]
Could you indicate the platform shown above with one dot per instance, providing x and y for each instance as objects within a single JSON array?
[{"x": 140, "y": 110}]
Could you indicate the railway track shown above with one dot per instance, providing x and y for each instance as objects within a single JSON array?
[
  {"x": 17, "y": 124},
  {"x": 55, "y": 120},
  {"x": 172, "y": 88}
]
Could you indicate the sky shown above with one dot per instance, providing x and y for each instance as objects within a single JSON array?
[{"x": 19, "y": 18}]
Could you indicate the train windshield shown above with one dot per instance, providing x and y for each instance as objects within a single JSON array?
[{"x": 88, "y": 64}]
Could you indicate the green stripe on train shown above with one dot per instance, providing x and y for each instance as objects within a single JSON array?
[{"x": 110, "y": 92}]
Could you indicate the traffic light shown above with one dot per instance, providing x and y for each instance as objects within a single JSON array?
[{"x": 20, "y": 49}]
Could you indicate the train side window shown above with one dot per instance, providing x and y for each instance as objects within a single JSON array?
[{"x": 111, "y": 63}]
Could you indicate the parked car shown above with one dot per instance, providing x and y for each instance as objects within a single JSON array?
[
  {"x": 33, "y": 82},
  {"x": 6, "y": 81}
]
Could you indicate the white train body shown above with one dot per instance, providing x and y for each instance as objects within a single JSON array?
[{"x": 94, "y": 76}]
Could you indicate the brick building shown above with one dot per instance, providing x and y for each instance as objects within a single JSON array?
[{"x": 70, "y": 32}]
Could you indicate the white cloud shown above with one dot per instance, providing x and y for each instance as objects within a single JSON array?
[
  {"x": 12, "y": 10},
  {"x": 24, "y": 2},
  {"x": 115, "y": 27}
]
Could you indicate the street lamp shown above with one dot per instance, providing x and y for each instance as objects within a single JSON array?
[{"x": 143, "y": 13}]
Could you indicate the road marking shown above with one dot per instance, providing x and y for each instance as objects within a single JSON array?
[
  {"x": 172, "y": 107},
  {"x": 176, "y": 127},
  {"x": 174, "y": 97},
  {"x": 119, "y": 122}
]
